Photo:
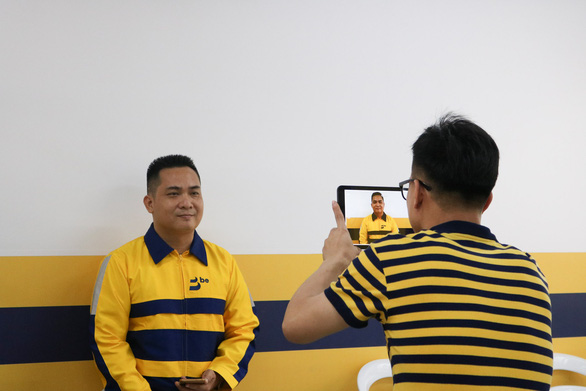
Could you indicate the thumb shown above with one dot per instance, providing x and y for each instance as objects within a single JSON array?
[{"x": 209, "y": 376}]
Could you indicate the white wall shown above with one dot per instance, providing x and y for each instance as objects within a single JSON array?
[{"x": 279, "y": 102}]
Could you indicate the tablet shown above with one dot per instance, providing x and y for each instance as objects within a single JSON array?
[{"x": 355, "y": 202}]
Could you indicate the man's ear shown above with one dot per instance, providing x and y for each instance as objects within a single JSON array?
[
  {"x": 419, "y": 194},
  {"x": 148, "y": 203},
  {"x": 488, "y": 202}
]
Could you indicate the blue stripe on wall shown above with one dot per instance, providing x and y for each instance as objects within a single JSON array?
[
  {"x": 44, "y": 334},
  {"x": 271, "y": 338},
  {"x": 52, "y": 334},
  {"x": 569, "y": 315}
]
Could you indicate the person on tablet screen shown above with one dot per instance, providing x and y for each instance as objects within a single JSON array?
[{"x": 378, "y": 224}]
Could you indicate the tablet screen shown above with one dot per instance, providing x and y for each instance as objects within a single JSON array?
[{"x": 356, "y": 204}]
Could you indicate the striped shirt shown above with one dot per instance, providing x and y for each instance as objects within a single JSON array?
[{"x": 460, "y": 311}]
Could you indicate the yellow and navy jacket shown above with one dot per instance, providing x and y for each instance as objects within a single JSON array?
[
  {"x": 459, "y": 310},
  {"x": 157, "y": 315},
  {"x": 373, "y": 229}
]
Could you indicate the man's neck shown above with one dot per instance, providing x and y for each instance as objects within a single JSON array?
[
  {"x": 179, "y": 241},
  {"x": 440, "y": 217}
]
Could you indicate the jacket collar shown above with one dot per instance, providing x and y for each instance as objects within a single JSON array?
[
  {"x": 383, "y": 217},
  {"x": 159, "y": 249}
]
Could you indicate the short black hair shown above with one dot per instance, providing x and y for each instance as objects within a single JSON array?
[
  {"x": 458, "y": 158},
  {"x": 375, "y": 194},
  {"x": 160, "y": 163}
]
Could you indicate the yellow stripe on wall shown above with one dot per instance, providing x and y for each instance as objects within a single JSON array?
[
  {"x": 47, "y": 281},
  {"x": 333, "y": 369},
  {"x": 61, "y": 281},
  {"x": 575, "y": 346},
  {"x": 69, "y": 280},
  {"x": 311, "y": 370},
  {"x": 276, "y": 277},
  {"x": 319, "y": 370},
  {"x": 59, "y": 376},
  {"x": 565, "y": 272}
]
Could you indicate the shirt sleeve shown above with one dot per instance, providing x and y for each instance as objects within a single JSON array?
[
  {"x": 241, "y": 325},
  {"x": 360, "y": 291},
  {"x": 109, "y": 324}
]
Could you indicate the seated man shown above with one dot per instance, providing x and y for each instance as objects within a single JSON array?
[
  {"x": 460, "y": 311},
  {"x": 378, "y": 224}
]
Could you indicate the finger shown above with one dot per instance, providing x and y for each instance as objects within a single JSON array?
[
  {"x": 340, "y": 220},
  {"x": 179, "y": 386},
  {"x": 209, "y": 375}
]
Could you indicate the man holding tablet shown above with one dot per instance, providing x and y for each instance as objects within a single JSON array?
[{"x": 460, "y": 310}]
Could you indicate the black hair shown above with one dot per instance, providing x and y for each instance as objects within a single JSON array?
[
  {"x": 376, "y": 193},
  {"x": 457, "y": 157},
  {"x": 169, "y": 161}
]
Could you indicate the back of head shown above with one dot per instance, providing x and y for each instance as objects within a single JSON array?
[
  {"x": 169, "y": 161},
  {"x": 458, "y": 159}
]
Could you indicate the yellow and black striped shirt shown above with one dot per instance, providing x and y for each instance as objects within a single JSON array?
[{"x": 460, "y": 311}]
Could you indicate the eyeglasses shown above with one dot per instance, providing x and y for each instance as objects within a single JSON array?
[{"x": 404, "y": 186}]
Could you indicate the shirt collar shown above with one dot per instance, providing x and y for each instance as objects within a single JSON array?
[
  {"x": 383, "y": 217},
  {"x": 465, "y": 227},
  {"x": 159, "y": 249}
]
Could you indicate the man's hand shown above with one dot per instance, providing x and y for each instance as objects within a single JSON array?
[
  {"x": 338, "y": 247},
  {"x": 211, "y": 379},
  {"x": 310, "y": 315}
]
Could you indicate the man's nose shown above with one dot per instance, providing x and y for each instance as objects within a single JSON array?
[{"x": 185, "y": 201}]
